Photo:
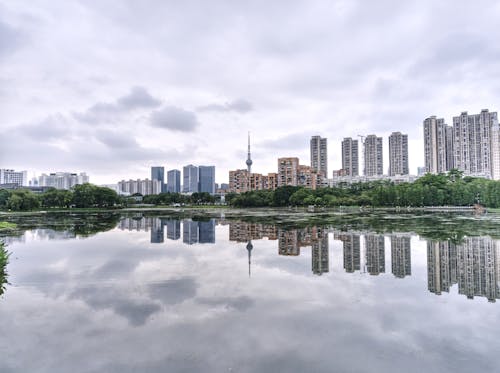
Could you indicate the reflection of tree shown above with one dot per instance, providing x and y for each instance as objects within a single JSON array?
[
  {"x": 80, "y": 224},
  {"x": 4, "y": 260}
]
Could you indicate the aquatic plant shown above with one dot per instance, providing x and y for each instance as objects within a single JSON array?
[{"x": 4, "y": 260}]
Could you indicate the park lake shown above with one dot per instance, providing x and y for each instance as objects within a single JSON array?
[{"x": 250, "y": 291}]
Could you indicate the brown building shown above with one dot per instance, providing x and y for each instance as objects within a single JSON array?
[{"x": 288, "y": 169}]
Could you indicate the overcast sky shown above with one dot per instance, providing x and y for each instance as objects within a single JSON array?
[{"x": 113, "y": 87}]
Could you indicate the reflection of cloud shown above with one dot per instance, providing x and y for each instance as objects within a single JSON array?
[
  {"x": 104, "y": 297},
  {"x": 173, "y": 291},
  {"x": 241, "y": 303}
]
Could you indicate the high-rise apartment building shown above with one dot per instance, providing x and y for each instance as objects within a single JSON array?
[
  {"x": 190, "y": 179},
  {"x": 158, "y": 173},
  {"x": 437, "y": 145},
  {"x": 288, "y": 169},
  {"x": 373, "y": 156},
  {"x": 62, "y": 180},
  {"x": 144, "y": 187},
  {"x": 206, "y": 179},
  {"x": 13, "y": 177},
  {"x": 350, "y": 158},
  {"x": 495, "y": 152},
  {"x": 174, "y": 181},
  {"x": 398, "y": 154},
  {"x": 319, "y": 155},
  {"x": 474, "y": 145}
]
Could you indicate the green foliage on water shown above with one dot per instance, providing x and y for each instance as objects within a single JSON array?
[
  {"x": 4, "y": 260},
  {"x": 450, "y": 189},
  {"x": 6, "y": 226}
]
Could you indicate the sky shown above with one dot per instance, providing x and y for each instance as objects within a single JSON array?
[{"x": 112, "y": 88}]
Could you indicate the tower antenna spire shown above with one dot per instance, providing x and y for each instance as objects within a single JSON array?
[{"x": 249, "y": 157}]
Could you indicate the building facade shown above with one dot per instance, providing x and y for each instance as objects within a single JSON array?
[
  {"x": 144, "y": 187},
  {"x": 8, "y": 176},
  {"x": 437, "y": 145},
  {"x": 373, "y": 156},
  {"x": 319, "y": 155},
  {"x": 473, "y": 146},
  {"x": 174, "y": 181},
  {"x": 190, "y": 179},
  {"x": 288, "y": 169},
  {"x": 206, "y": 179},
  {"x": 158, "y": 173},
  {"x": 62, "y": 180},
  {"x": 398, "y": 154},
  {"x": 350, "y": 158}
]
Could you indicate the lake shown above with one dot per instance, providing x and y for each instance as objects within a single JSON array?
[{"x": 251, "y": 292}]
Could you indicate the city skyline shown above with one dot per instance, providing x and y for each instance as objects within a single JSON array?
[{"x": 114, "y": 106}]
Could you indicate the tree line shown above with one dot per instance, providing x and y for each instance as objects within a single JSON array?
[
  {"x": 451, "y": 189},
  {"x": 82, "y": 196}
]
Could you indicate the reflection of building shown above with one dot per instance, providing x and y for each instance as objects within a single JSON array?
[
  {"x": 319, "y": 255},
  {"x": 206, "y": 231},
  {"x": 189, "y": 232},
  {"x": 375, "y": 254},
  {"x": 288, "y": 243},
  {"x": 352, "y": 250},
  {"x": 173, "y": 229},
  {"x": 441, "y": 266},
  {"x": 478, "y": 268},
  {"x": 241, "y": 231},
  {"x": 157, "y": 231},
  {"x": 401, "y": 256}
]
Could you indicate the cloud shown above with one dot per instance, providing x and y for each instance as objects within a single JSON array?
[
  {"x": 10, "y": 39},
  {"x": 175, "y": 119},
  {"x": 241, "y": 106},
  {"x": 105, "y": 112}
]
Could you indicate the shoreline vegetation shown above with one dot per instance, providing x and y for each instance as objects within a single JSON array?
[
  {"x": 4, "y": 260},
  {"x": 451, "y": 189}
]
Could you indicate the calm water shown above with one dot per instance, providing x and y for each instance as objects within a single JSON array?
[{"x": 138, "y": 293}]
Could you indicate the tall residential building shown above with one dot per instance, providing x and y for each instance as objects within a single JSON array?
[
  {"x": 398, "y": 154},
  {"x": 158, "y": 173},
  {"x": 288, "y": 169},
  {"x": 437, "y": 145},
  {"x": 373, "y": 156},
  {"x": 190, "y": 179},
  {"x": 174, "y": 181},
  {"x": 350, "y": 159},
  {"x": 495, "y": 152},
  {"x": 206, "y": 179},
  {"x": 473, "y": 142},
  {"x": 239, "y": 181},
  {"x": 62, "y": 180},
  {"x": 319, "y": 156},
  {"x": 13, "y": 177}
]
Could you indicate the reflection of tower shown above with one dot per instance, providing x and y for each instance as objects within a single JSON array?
[
  {"x": 207, "y": 231},
  {"x": 189, "y": 232},
  {"x": 319, "y": 255},
  {"x": 156, "y": 230},
  {"x": 249, "y": 249},
  {"x": 401, "y": 256},
  {"x": 478, "y": 264},
  {"x": 375, "y": 254},
  {"x": 173, "y": 229},
  {"x": 352, "y": 248},
  {"x": 441, "y": 266}
]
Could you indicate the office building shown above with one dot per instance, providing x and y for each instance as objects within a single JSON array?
[
  {"x": 174, "y": 181},
  {"x": 206, "y": 179},
  {"x": 437, "y": 145},
  {"x": 350, "y": 159},
  {"x": 319, "y": 156},
  {"x": 7, "y": 176},
  {"x": 190, "y": 179},
  {"x": 474, "y": 141},
  {"x": 158, "y": 173},
  {"x": 398, "y": 154},
  {"x": 62, "y": 180},
  {"x": 373, "y": 156}
]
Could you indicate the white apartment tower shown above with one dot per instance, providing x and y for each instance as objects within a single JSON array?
[
  {"x": 398, "y": 154},
  {"x": 373, "y": 155},
  {"x": 350, "y": 159},
  {"x": 475, "y": 143},
  {"x": 319, "y": 155},
  {"x": 437, "y": 142}
]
